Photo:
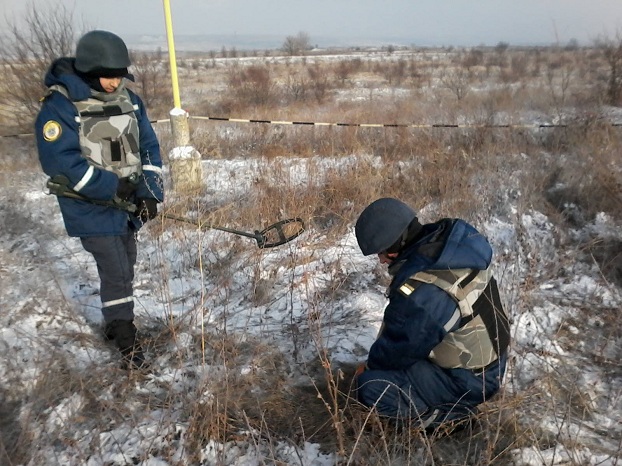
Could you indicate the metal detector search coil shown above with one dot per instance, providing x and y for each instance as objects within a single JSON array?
[{"x": 280, "y": 233}]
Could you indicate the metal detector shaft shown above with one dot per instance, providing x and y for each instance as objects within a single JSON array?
[{"x": 212, "y": 227}]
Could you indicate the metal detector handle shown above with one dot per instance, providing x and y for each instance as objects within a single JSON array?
[{"x": 59, "y": 186}]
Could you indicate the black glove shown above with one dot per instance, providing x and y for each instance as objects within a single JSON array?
[
  {"x": 146, "y": 209},
  {"x": 125, "y": 189}
]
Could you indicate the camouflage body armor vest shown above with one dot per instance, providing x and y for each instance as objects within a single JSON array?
[
  {"x": 484, "y": 333},
  {"x": 109, "y": 132}
]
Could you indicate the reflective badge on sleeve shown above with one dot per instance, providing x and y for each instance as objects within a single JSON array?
[{"x": 52, "y": 131}]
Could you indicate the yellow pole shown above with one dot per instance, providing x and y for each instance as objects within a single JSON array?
[{"x": 171, "y": 52}]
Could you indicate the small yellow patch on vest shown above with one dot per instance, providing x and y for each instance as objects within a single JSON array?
[
  {"x": 52, "y": 131},
  {"x": 406, "y": 289}
]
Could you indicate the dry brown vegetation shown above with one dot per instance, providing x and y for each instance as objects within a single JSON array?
[
  {"x": 571, "y": 172},
  {"x": 480, "y": 88}
]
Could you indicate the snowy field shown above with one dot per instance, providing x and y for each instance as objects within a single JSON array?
[{"x": 284, "y": 309}]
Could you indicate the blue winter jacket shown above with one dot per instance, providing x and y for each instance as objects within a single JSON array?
[
  {"x": 63, "y": 156},
  {"x": 413, "y": 325}
]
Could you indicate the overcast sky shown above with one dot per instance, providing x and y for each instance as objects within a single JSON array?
[{"x": 419, "y": 22}]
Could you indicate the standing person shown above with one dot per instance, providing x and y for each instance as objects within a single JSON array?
[
  {"x": 442, "y": 348},
  {"x": 95, "y": 133}
]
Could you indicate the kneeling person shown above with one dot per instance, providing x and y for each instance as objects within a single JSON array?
[{"x": 442, "y": 348}]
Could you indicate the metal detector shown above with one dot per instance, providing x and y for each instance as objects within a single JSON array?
[{"x": 274, "y": 235}]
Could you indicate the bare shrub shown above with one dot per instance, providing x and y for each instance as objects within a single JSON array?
[
  {"x": 537, "y": 62},
  {"x": 559, "y": 78},
  {"x": 296, "y": 87},
  {"x": 319, "y": 82},
  {"x": 394, "y": 72},
  {"x": 252, "y": 86},
  {"x": 415, "y": 73},
  {"x": 475, "y": 57},
  {"x": 27, "y": 48},
  {"x": 519, "y": 65},
  {"x": 151, "y": 74},
  {"x": 499, "y": 57},
  {"x": 457, "y": 80},
  {"x": 342, "y": 70},
  {"x": 611, "y": 49}
]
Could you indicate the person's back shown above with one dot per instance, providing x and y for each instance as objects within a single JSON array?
[{"x": 442, "y": 349}]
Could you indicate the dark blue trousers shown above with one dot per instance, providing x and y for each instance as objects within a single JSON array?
[
  {"x": 429, "y": 393},
  {"x": 115, "y": 257}
]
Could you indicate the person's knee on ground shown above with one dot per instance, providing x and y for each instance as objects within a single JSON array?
[{"x": 375, "y": 390}]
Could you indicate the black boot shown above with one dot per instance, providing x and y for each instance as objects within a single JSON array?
[{"x": 124, "y": 334}]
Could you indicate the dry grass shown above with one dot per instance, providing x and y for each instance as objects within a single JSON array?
[{"x": 571, "y": 174}]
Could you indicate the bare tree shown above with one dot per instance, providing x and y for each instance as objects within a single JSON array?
[
  {"x": 296, "y": 45},
  {"x": 27, "y": 48}
]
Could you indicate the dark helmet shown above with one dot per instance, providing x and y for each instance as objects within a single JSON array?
[
  {"x": 383, "y": 224},
  {"x": 102, "y": 53}
]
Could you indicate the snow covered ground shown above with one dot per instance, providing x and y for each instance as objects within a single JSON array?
[{"x": 283, "y": 309}]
